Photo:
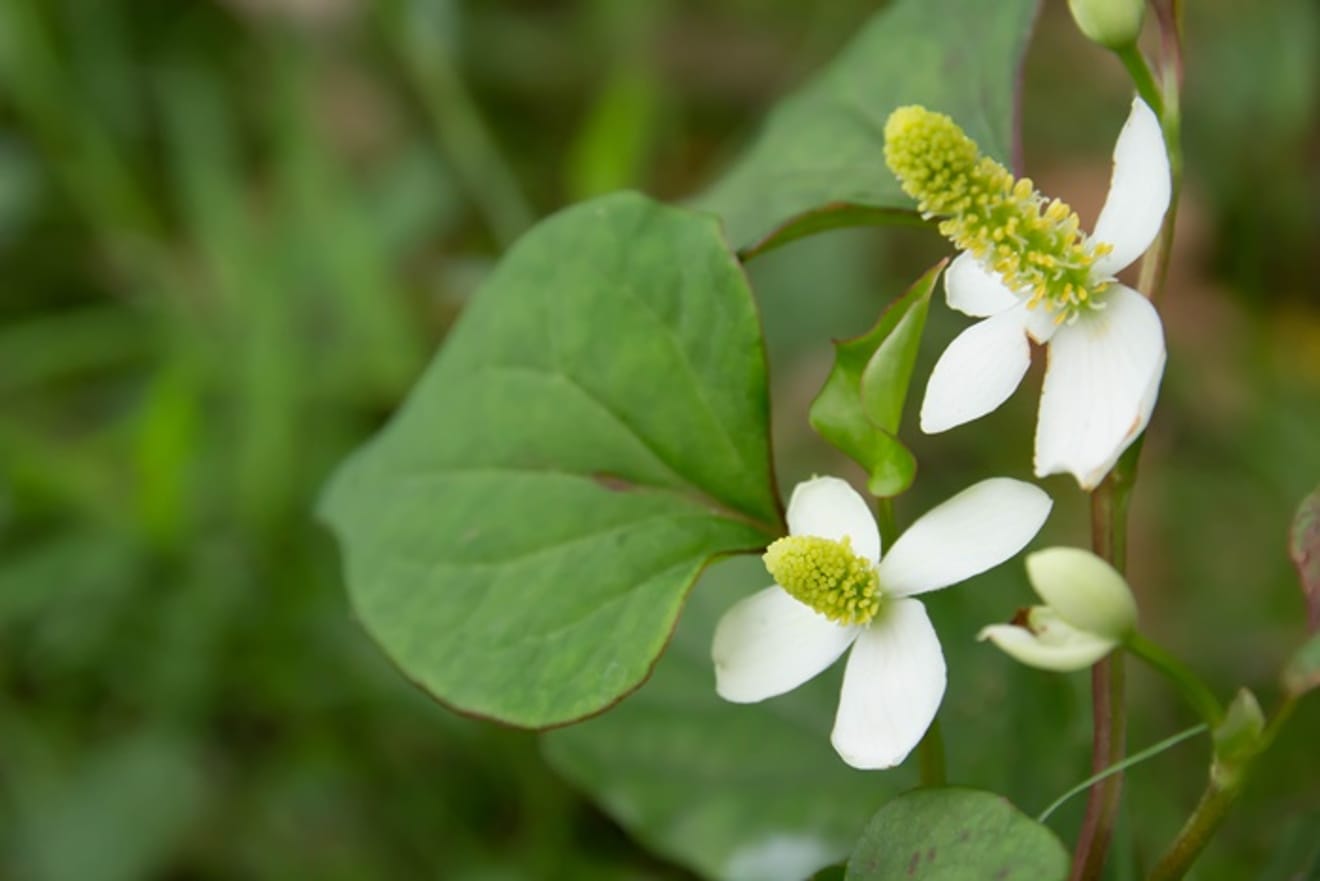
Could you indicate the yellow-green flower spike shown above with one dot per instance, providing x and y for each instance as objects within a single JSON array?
[
  {"x": 826, "y": 575},
  {"x": 1034, "y": 244}
]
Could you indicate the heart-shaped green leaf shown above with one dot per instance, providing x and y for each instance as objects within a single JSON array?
[
  {"x": 819, "y": 161},
  {"x": 736, "y": 792},
  {"x": 956, "y": 834},
  {"x": 522, "y": 534},
  {"x": 860, "y": 406}
]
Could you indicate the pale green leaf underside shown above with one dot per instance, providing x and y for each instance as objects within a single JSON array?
[
  {"x": 956, "y": 834},
  {"x": 736, "y": 792},
  {"x": 520, "y": 537},
  {"x": 819, "y": 161}
]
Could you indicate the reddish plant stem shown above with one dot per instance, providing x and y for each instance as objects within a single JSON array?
[{"x": 1109, "y": 503}]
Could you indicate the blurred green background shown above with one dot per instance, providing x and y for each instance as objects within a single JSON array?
[{"x": 232, "y": 232}]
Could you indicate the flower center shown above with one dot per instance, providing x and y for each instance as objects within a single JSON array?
[
  {"x": 1033, "y": 243},
  {"x": 826, "y": 575}
]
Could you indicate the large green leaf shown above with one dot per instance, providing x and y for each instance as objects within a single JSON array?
[
  {"x": 735, "y": 792},
  {"x": 861, "y": 404},
  {"x": 956, "y": 834},
  {"x": 819, "y": 162},
  {"x": 521, "y": 536}
]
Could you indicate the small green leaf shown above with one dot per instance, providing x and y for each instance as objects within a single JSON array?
[
  {"x": 1237, "y": 737},
  {"x": 956, "y": 834},
  {"x": 1305, "y": 551},
  {"x": 1303, "y": 672},
  {"x": 860, "y": 407},
  {"x": 521, "y": 536},
  {"x": 819, "y": 162},
  {"x": 735, "y": 792}
]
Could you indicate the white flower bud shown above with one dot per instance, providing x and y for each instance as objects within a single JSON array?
[
  {"x": 1089, "y": 611},
  {"x": 1114, "y": 24},
  {"x": 1084, "y": 591}
]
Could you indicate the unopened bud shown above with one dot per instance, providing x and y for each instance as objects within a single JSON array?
[
  {"x": 1114, "y": 24},
  {"x": 1084, "y": 591}
]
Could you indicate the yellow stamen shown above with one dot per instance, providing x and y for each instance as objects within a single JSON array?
[
  {"x": 826, "y": 575},
  {"x": 1034, "y": 245}
]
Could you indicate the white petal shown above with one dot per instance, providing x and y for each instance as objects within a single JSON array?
[
  {"x": 977, "y": 372},
  {"x": 1058, "y": 647},
  {"x": 892, "y": 688},
  {"x": 1138, "y": 192},
  {"x": 1100, "y": 387},
  {"x": 830, "y": 508},
  {"x": 980, "y": 527},
  {"x": 974, "y": 290},
  {"x": 769, "y": 643},
  {"x": 1040, "y": 323}
]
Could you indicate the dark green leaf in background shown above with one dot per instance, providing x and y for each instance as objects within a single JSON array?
[
  {"x": 521, "y": 536},
  {"x": 1305, "y": 551},
  {"x": 736, "y": 792},
  {"x": 819, "y": 161},
  {"x": 956, "y": 834},
  {"x": 860, "y": 407}
]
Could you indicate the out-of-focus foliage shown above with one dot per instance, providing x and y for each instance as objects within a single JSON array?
[{"x": 231, "y": 233}]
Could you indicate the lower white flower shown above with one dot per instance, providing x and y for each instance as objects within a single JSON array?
[
  {"x": 834, "y": 590},
  {"x": 1030, "y": 273}
]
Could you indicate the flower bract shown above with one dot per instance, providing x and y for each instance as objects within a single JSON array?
[
  {"x": 842, "y": 593},
  {"x": 1030, "y": 273}
]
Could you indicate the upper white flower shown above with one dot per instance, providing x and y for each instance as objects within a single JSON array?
[
  {"x": 1106, "y": 344},
  {"x": 771, "y": 642}
]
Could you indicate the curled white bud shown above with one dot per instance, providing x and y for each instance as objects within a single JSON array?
[
  {"x": 1084, "y": 590},
  {"x": 1089, "y": 612}
]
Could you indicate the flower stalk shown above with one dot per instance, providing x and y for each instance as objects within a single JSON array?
[
  {"x": 1195, "y": 692},
  {"x": 1227, "y": 778},
  {"x": 1109, "y": 507},
  {"x": 1155, "y": 268},
  {"x": 1109, "y": 501},
  {"x": 930, "y": 756}
]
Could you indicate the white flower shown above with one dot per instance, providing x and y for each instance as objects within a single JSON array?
[
  {"x": 771, "y": 642},
  {"x": 1089, "y": 611},
  {"x": 1105, "y": 360}
]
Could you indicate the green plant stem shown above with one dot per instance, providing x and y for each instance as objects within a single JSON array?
[
  {"x": 885, "y": 522},
  {"x": 1109, "y": 504},
  {"x": 930, "y": 755},
  {"x": 1155, "y": 268},
  {"x": 1142, "y": 77},
  {"x": 1195, "y": 834},
  {"x": 1221, "y": 791},
  {"x": 1198, "y": 696}
]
